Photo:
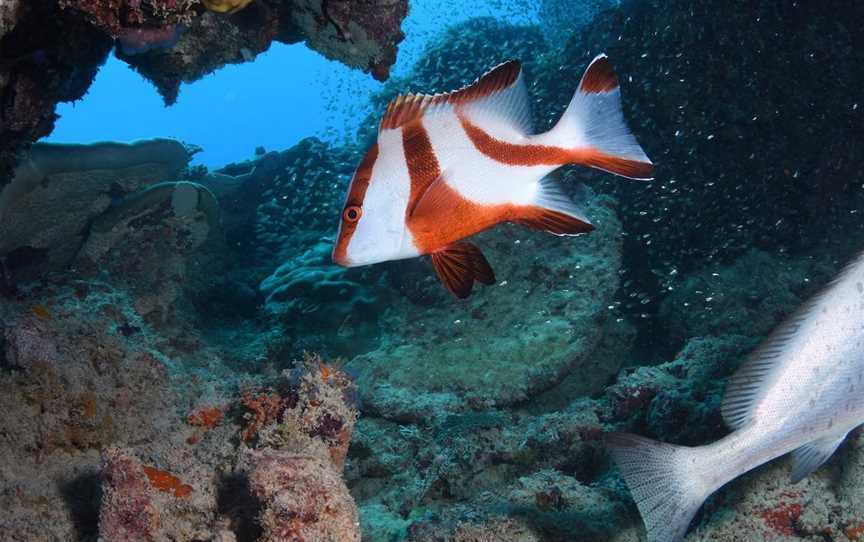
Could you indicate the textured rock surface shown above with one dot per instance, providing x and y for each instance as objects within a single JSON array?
[
  {"x": 323, "y": 306},
  {"x": 83, "y": 372},
  {"x": 303, "y": 498}
]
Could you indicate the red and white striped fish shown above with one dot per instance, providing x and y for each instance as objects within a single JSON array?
[{"x": 450, "y": 165}]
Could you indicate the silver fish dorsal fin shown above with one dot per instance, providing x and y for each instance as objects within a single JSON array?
[
  {"x": 746, "y": 386},
  {"x": 499, "y": 93}
]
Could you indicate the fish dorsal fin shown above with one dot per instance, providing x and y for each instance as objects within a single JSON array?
[
  {"x": 746, "y": 386},
  {"x": 461, "y": 264},
  {"x": 813, "y": 455},
  {"x": 499, "y": 95}
]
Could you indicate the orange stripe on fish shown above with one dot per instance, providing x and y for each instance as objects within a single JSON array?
[
  {"x": 543, "y": 155},
  {"x": 422, "y": 164}
]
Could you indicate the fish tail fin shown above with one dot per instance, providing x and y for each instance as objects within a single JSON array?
[
  {"x": 593, "y": 126},
  {"x": 664, "y": 481}
]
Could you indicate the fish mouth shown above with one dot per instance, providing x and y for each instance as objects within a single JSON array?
[{"x": 342, "y": 260}]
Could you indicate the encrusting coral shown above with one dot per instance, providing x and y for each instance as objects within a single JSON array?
[{"x": 127, "y": 511}]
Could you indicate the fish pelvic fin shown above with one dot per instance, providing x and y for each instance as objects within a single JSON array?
[
  {"x": 553, "y": 211},
  {"x": 459, "y": 265},
  {"x": 664, "y": 483},
  {"x": 593, "y": 127}
]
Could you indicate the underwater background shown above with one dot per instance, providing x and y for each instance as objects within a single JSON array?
[{"x": 181, "y": 360}]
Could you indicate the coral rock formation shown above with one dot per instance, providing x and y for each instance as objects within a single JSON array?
[
  {"x": 328, "y": 308},
  {"x": 127, "y": 512},
  {"x": 304, "y": 498}
]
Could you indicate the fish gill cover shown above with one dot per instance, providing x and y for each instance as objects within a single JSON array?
[{"x": 158, "y": 320}]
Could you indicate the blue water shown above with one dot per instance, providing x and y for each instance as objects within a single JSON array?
[{"x": 288, "y": 93}]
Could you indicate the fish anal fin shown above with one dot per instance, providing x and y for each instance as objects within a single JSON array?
[
  {"x": 556, "y": 222},
  {"x": 409, "y": 107},
  {"x": 619, "y": 165},
  {"x": 553, "y": 211},
  {"x": 459, "y": 265},
  {"x": 745, "y": 388},
  {"x": 813, "y": 455}
]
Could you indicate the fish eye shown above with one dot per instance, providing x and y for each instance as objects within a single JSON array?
[{"x": 352, "y": 213}]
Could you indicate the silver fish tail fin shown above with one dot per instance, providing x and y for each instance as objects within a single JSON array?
[
  {"x": 664, "y": 481},
  {"x": 593, "y": 126}
]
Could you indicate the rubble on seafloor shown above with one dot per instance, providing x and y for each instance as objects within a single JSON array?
[
  {"x": 116, "y": 427},
  {"x": 149, "y": 387}
]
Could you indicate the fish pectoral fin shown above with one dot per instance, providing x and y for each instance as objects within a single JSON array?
[
  {"x": 813, "y": 455},
  {"x": 553, "y": 211},
  {"x": 435, "y": 197},
  {"x": 459, "y": 265}
]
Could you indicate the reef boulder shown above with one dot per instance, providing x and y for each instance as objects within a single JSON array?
[{"x": 544, "y": 320}]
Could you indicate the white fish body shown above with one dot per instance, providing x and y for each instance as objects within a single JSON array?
[{"x": 802, "y": 390}]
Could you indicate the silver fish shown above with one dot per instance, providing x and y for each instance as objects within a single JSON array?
[{"x": 800, "y": 391}]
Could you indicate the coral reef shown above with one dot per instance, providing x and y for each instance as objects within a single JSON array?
[
  {"x": 145, "y": 241},
  {"x": 58, "y": 190},
  {"x": 154, "y": 384},
  {"x": 85, "y": 374},
  {"x": 127, "y": 511},
  {"x": 323, "y": 306},
  {"x": 303, "y": 499},
  {"x": 46, "y": 56}
]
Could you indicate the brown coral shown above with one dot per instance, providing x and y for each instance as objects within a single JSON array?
[{"x": 261, "y": 409}]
